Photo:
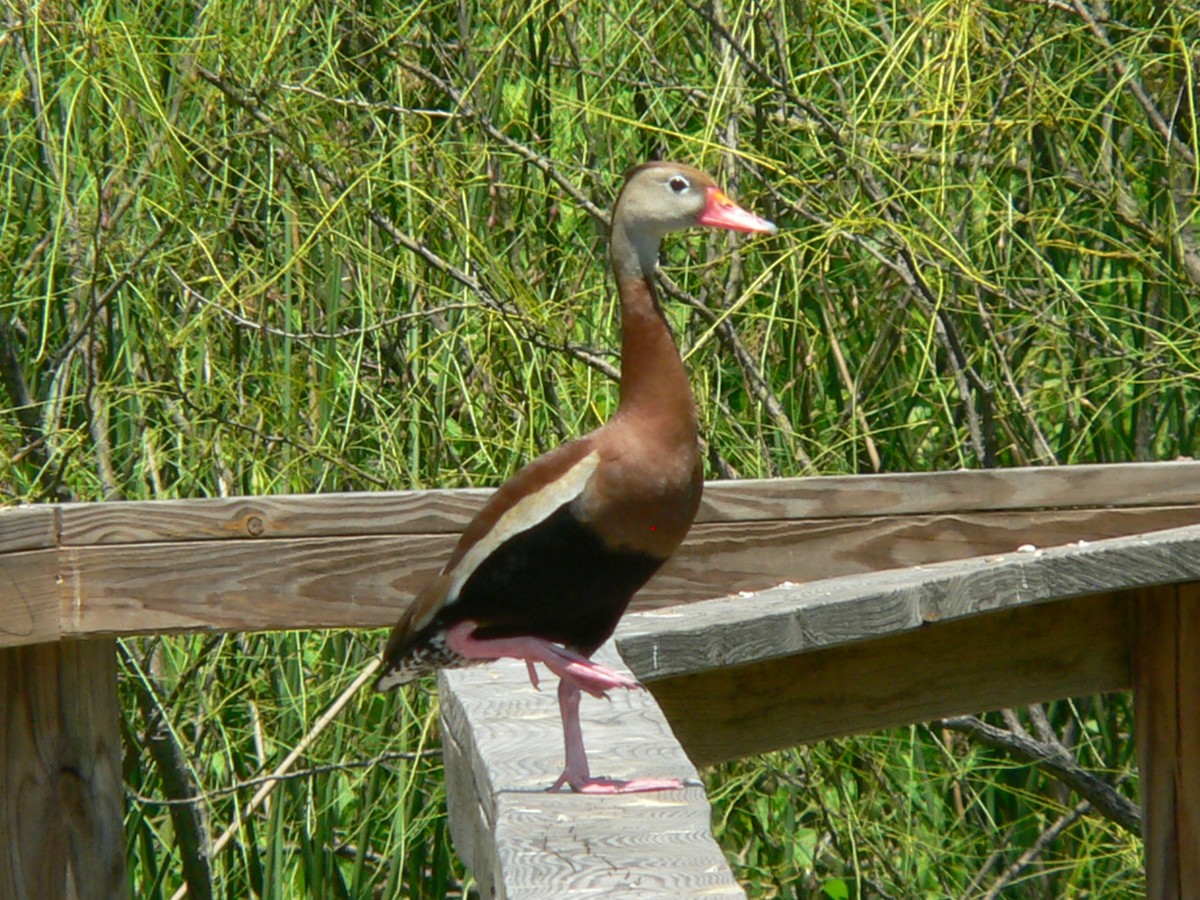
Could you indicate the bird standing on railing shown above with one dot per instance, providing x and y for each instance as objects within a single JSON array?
[{"x": 545, "y": 570}]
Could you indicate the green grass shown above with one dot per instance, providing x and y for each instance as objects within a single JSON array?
[{"x": 255, "y": 248}]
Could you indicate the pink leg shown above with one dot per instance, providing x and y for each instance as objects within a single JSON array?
[
  {"x": 576, "y": 673},
  {"x": 569, "y": 666},
  {"x": 577, "y": 774}
]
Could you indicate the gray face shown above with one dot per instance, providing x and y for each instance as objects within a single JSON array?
[{"x": 662, "y": 198}]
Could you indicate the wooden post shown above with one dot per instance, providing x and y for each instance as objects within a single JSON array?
[
  {"x": 503, "y": 746},
  {"x": 61, "y": 802},
  {"x": 1166, "y": 680}
]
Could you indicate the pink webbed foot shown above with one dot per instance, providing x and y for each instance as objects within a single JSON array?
[
  {"x": 589, "y": 785},
  {"x": 578, "y": 775}
]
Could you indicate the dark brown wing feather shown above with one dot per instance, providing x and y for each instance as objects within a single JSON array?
[{"x": 534, "y": 494}]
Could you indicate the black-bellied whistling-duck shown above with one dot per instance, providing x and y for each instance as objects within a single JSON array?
[{"x": 545, "y": 570}]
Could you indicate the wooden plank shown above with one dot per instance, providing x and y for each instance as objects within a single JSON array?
[
  {"x": 1015, "y": 656},
  {"x": 28, "y": 528},
  {"x": 782, "y": 621},
  {"x": 202, "y": 585},
  {"x": 60, "y": 785},
  {"x": 503, "y": 746},
  {"x": 1166, "y": 680},
  {"x": 251, "y": 518},
  {"x": 365, "y": 581},
  {"x": 447, "y": 511},
  {"x": 719, "y": 559},
  {"x": 742, "y": 675},
  {"x": 30, "y": 598},
  {"x": 913, "y": 493}
]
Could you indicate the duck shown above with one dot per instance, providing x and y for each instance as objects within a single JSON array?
[{"x": 548, "y": 566}]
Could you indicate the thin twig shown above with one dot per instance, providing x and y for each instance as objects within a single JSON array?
[
  {"x": 489, "y": 297},
  {"x": 310, "y": 772},
  {"x": 1034, "y": 850},
  {"x": 1153, "y": 113},
  {"x": 340, "y": 334},
  {"x": 978, "y": 420},
  {"x": 276, "y": 777}
]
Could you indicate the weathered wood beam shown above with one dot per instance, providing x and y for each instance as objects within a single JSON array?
[
  {"x": 1006, "y": 658},
  {"x": 30, "y": 593},
  {"x": 60, "y": 779},
  {"x": 31, "y": 598},
  {"x": 28, "y": 528},
  {"x": 362, "y": 582},
  {"x": 503, "y": 746},
  {"x": 447, "y": 511},
  {"x": 789, "y": 619},
  {"x": 1166, "y": 681},
  {"x": 859, "y": 653},
  {"x": 353, "y": 560},
  {"x": 720, "y": 558}
]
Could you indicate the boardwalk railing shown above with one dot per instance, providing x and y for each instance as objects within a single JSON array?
[{"x": 879, "y": 627}]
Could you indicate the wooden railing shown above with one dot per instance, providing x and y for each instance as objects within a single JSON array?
[{"x": 880, "y": 628}]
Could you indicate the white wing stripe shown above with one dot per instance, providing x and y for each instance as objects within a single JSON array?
[{"x": 527, "y": 512}]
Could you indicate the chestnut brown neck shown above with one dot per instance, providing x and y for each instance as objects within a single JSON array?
[
  {"x": 653, "y": 379},
  {"x": 654, "y": 382}
]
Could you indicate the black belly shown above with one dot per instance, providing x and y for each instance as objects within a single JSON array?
[{"x": 557, "y": 581}]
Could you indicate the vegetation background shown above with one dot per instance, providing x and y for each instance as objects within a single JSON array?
[{"x": 252, "y": 248}]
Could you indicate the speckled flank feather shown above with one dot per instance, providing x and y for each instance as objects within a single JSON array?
[{"x": 421, "y": 660}]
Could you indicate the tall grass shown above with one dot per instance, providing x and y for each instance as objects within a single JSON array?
[{"x": 252, "y": 248}]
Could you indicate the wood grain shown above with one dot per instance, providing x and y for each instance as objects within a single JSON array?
[
  {"x": 885, "y": 629},
  {"x": 1065, "y": 487},
  {"x": 447, "y": 511},
  {"x": 356, "y": 559},
  {"x": 60, "y": 782},
  {"x": 30, "y": 598},
  {"x": 253, "y": 518},
  {"x": 719, "y": 559},
  {"x": 782, "y": 621},
  {"x": 503, "y": 746},
  {"x": 365, "y": 581},
  {"x": 1166, "y": 681},
  {"x": 1012, "y": 657},
  {"x": 28, "y": 528},
  {"x": 200, "y": 585}
]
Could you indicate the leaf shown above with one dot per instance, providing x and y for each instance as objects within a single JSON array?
[{"x": 836, "y": 889}]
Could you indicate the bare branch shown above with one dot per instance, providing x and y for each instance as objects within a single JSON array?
[
  {"x": 1056, "y": 762},
  {"x": 188, "y": 806}
]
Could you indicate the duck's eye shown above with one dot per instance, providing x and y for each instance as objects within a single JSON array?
[{"x": 679, "y": 184}]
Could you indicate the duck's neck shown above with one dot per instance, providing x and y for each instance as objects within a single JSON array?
[{"x": 654, "y": 382}]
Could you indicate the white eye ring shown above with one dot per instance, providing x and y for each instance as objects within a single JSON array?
[{"x": 679, "y": 184}]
